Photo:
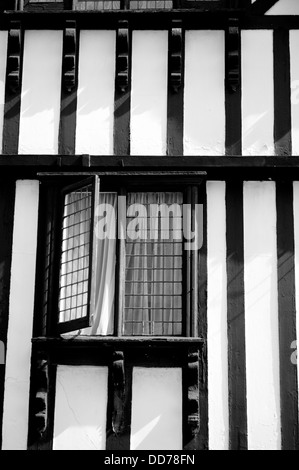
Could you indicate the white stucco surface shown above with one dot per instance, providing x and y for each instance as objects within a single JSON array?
[
  {"x": 21, "y": 305},
  {"x": 261, "y": 316},
  {"x": 95, "y": 106},
  {"x": 156, "y": 409},
  {"x": 149, "y": 92},
  {"x": 217, "y": 317},
  {"x": 284, "y": 7},
  {"x": 41, "y": 92},
  {"x": 80, "y": 408},
  {"x": 204, "y": 95},
  {"x": 257, "y": 93}
]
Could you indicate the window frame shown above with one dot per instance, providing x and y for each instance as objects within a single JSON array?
[
  {"x": 121, "y": 268},
  {"x": 117, "y": 182},
  {"x": 118, "y": 354},
  {"x": 82, "y": 322},
  {"x": 68, "y": 5}
]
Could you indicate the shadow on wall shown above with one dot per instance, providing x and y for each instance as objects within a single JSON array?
[
  {"x": 258, "y": 133},
  {"x": 145, "y": 432}
]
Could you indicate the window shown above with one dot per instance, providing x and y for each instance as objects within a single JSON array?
[
  {"x": 154, "y": 265},
  {"x": 121, "y": 283},
  {"x": 107, "y": 5},
  {"x": 38, "y": 4},
  {"x": 42, "y": 1},
  {"x": 123, "y": 261},
  {"x": 124, "y": 4},
  {"x": 78, "y": 244}
]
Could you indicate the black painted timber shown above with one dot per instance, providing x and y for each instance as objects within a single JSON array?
[
  {"x": 153, "y": 20},
  {"x": 287, "y": 315},
  {"x": 236, "y": 317},
  {"x": 282, "y": 93}
]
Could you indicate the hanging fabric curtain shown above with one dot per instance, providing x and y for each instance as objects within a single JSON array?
[
  {"x": 153, "y": 284},
  {"x": 103, "y": 317}
]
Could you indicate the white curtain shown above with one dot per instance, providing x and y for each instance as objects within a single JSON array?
[
  {"x": 103, "y": 317},
  {"x": 153, "y": 290}
]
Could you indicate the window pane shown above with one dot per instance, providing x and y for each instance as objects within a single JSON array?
[
  {"x": 74, "y": 291},
  {"x": 153, "y": 283},
  {"x": 74, "y": 272},
  {"x": 97, "y": 5},
  {"x": 45, "y": 1},
  {"x": 121, "y": 5},
  {"x": 108, "y": 5}
]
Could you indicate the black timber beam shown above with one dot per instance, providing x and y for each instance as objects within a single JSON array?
[
  {"x": 147, "y": 161},
  {"x": 221, "y": 168},
  {"x": 141, "y": 20}
]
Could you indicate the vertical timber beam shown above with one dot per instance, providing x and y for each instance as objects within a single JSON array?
[
  {"x": 119, "y": 404},
  {"x": 233, "y": 88},
  {"x": 42, "y": 403},
  {"x": 175, "y": 98},
  {"x": 67, "y": 130},
  {"x": 13, "y": 86},
  {"x": 122, "y": 100}
]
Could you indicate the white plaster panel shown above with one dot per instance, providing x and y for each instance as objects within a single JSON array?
[
  {"x": 217, "y": 317},
  {"x": 21, "y": 305},
  {"x": 204, "y": 94},
  {"x": 95, "y": 107},
  {"x": 41, "y": 92},
  {"x": 284, "y": 7},
  {"x": 257, "y": 93},
  {"x": 149, "y": 93},
  {"x": 261, "y": 316},
  {"x": 80, "y": 408},
  {"x": 156, "y": 409}
]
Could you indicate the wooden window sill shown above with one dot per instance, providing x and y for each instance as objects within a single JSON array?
[{"x": 99, "y": 350}]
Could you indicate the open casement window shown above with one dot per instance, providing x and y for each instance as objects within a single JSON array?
[
  {"x": 78, "y": 256},
  {"x": 44, "y": 5},
  {"x": 126, "y": 267}
]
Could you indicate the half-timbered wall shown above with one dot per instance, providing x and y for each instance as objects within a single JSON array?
[{"x": 235, "y": 95}]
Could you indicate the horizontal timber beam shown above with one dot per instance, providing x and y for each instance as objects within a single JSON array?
[
  {"x": 171, "y": 352},
  {"x": 191, "y": 19},
  {"x": 222, "y": 168}
]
